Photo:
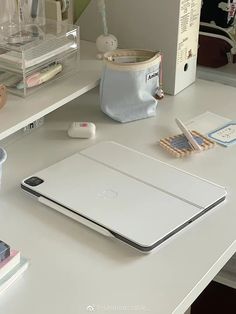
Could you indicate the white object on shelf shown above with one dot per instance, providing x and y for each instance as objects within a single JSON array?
[
  {"x": 82, "y": 130},
  {"x": 105, "y": 42}
]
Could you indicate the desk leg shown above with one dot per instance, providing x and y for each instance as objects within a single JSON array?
[{"x": 188, "y": 311}]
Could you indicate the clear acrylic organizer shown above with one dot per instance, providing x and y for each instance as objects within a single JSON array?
[{"x": 36, "y": 55}]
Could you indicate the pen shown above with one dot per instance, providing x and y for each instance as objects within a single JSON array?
[
  {"x": 193, "y": 143},
  {"x": 34, "y": 13},
  {"x": 34, "y": 9},
  {"x": 20, "y": 11}
]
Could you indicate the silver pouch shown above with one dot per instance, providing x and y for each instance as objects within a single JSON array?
[{"x": 130, "y": 84}]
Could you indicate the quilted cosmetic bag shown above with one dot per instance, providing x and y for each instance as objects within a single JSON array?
[
  {"x": 217, "y": 46},
  {"x": 130, "y": 84}
]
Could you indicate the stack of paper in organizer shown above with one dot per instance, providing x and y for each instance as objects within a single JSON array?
[{"x": 12, "y": 265}]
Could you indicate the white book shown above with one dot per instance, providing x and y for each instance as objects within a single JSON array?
[
  {"x": 9, "y": 263},
  {"x": 12, "y": 275}
]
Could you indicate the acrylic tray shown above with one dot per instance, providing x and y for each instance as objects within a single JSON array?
[{"x": 37, "y": 55}]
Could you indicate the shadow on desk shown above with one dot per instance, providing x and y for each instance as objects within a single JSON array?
[{"x": 215, "y": 299}]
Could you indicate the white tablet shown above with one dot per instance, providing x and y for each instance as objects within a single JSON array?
[{"x": 124, "y": 194}]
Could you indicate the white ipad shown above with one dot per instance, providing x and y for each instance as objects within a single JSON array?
[{"x": 124, "y": 194}]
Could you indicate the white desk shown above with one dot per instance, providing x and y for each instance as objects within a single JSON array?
[{"x": 73, "y": 267}]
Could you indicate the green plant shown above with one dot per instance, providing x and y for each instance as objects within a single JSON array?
[{"x": 79, "y": 7}]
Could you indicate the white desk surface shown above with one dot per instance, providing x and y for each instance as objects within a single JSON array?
[{"x": 71, "y": 266}]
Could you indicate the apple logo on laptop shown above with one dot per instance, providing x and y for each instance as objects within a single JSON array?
[{"x": 108, "y": 194}]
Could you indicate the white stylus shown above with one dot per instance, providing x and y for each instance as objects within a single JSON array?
[{"x": 188, "y": 135}]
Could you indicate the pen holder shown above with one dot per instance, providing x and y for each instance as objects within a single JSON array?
[
  {"x": 3, "y": 157},
  {"x": 131, "y": 84}
]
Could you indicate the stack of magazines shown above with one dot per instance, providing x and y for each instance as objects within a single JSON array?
[{"x": 12, "y": 265}]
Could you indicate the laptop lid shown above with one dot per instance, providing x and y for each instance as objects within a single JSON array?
[{"x": 134, "y": 197}]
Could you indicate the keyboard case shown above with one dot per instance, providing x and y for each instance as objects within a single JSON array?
[{"x": 37, "y": 55}]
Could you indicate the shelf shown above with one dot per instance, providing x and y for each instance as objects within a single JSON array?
[
  {"x": 225, "y": 75},
  {"x": 19, "y": 112}
]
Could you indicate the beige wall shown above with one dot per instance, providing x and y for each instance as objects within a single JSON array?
[{"x": 146, "y": 24}]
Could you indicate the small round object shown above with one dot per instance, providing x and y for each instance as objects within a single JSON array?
[
  {"x": 3, "y": 95},
  {"x": 106, "y": 43}
]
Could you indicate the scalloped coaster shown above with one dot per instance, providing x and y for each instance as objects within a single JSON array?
[{"x": 179, "y": 146}]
